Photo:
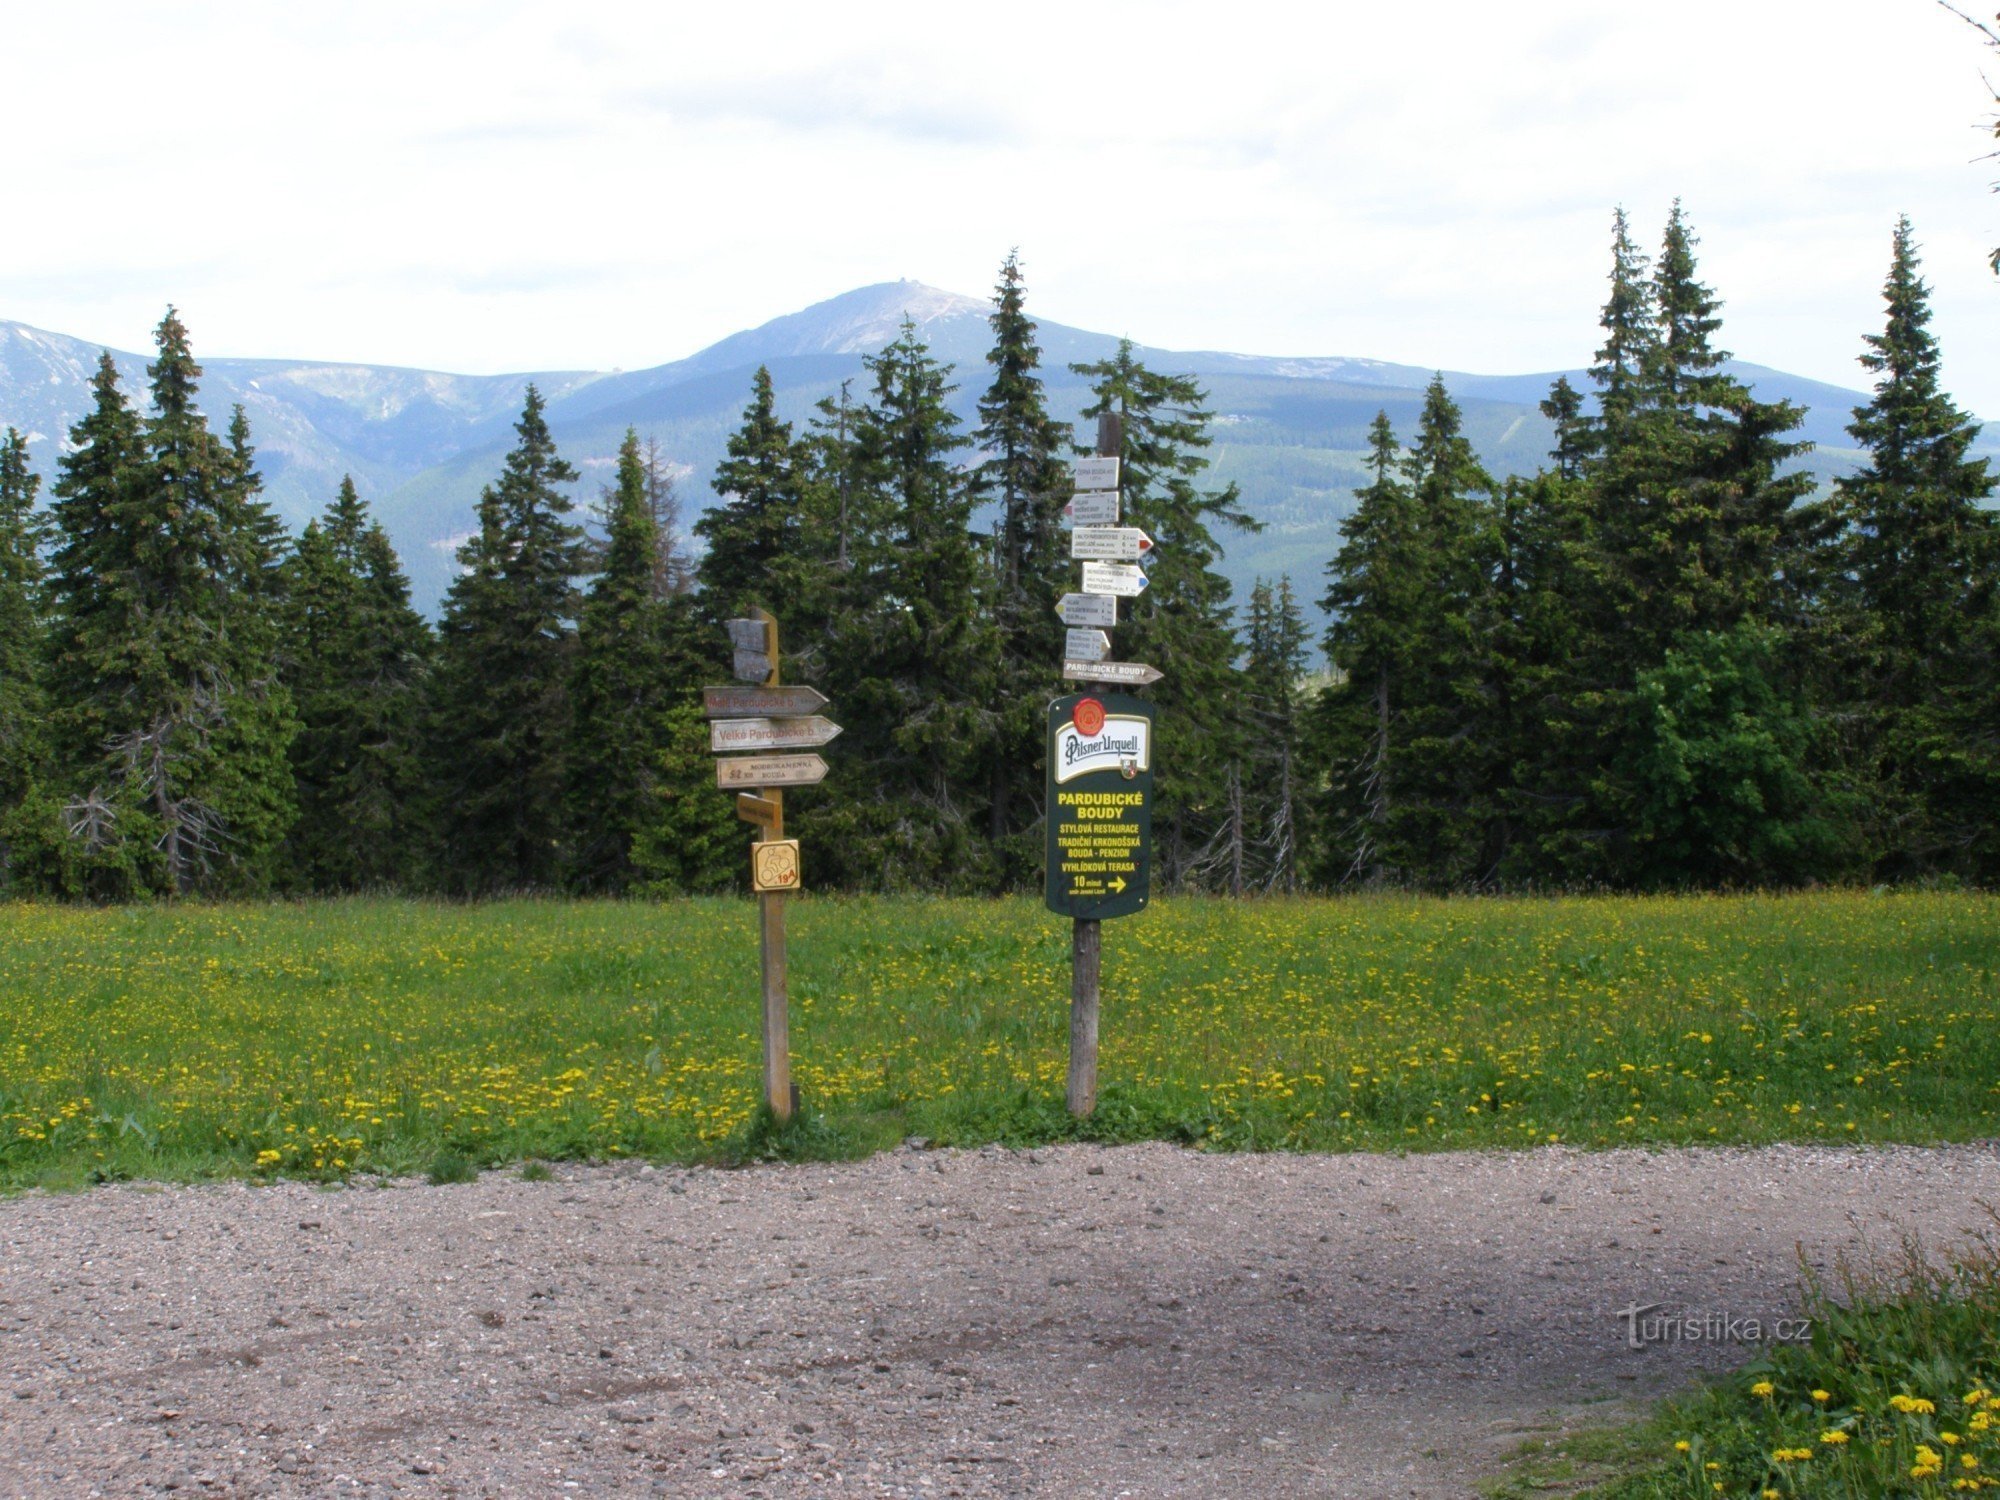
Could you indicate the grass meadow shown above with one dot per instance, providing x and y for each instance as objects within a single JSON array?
[{"x": 377, "y": 1036}]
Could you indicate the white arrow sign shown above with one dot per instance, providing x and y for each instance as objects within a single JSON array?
[
  {"x": 1086, "y": 645},
  {"x": 1122, "y": 579},
  {"x": 1131, "y": 673},
  {"x": 1087, "y": 609},
  {"x": 1097, "y": 473},
  {"x": 1109, "y": 543},
  {"x": 1093, "y": 508},
  {"x": 771, "y": 734}
]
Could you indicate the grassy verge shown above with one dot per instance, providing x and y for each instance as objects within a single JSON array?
[
  {"x": 1896, "y": 1394},
  {"x": 326, "y": 1038}
]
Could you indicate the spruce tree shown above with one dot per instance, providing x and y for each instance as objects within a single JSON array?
[
  {"x": 1023, "y": 474},
  {"x": 754, "y": 526},
  {"x": 912, "y": 664},
  {"x": 637, "y": 665},
  {"x": 1182, "y": 623},
  {"x": 1442, "y": 764},
  {"x": 1374, "y": 596},
  {"x": 1270, "y": 772},
  {"x": 355, "y": 655},
  {"x": 1704, "y": 549},
  {"x": 1919, "y": 558},
  {"x": 1630, "y": 331},
  {"x": 173, "y": 724},
  {"x": 500, "y": 719},
  {"x": 23, "y": 701}
]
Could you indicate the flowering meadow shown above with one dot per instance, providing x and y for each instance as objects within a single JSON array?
[{"x": 329, "y": 1038}]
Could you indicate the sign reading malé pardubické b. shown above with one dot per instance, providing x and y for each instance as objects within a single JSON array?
[{"x": 1100, "y": 805}]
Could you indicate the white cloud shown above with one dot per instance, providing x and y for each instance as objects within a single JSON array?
[{"x": 491, "y": 186}]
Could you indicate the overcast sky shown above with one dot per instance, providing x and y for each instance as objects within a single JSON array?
[{"x": 490, "y": 186}]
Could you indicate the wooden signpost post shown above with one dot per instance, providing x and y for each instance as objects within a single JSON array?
[
  {"x": 768, "y": 716},
  {"x": 1100, "y": 745}
]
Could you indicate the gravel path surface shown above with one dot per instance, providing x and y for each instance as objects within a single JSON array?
[{"x": 1074, "y": 1321}]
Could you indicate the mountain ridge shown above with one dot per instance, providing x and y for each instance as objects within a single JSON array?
[{"x": 420, "y": 444}]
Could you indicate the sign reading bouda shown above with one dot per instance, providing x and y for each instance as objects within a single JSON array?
[{"x": 1100, "y": 801}]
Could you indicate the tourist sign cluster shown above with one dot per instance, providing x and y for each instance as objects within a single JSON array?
[
  {"x": 1100, "y": 744},
  {"x": 766, "y": 715}
]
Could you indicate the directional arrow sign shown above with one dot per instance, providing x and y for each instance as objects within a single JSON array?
[
  {"x": 771, "y": 734},
  {"x": 1087, "y": 609},
  {"x": 760, "y": 703},
  {"x": 769, "y": 770},
  {"x": 1122, "y": 579},
  {"x": 747, "y": 635},
  {"x": 1086, "y": 645},
  {"x": 759, "y": 810},
  {"x": 751, "y": 666},
  {"x": 1097, "y": 473},
  {"x": 1093, "y": 508},
  {"x": 1128, "y": 673},
  {"x": 1109, "y": 543}
]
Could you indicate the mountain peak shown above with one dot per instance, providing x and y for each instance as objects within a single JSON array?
[{"x": 862, "y": 321}]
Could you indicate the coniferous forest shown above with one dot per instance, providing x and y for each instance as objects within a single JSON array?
[{"x": 1662, "y": 662}]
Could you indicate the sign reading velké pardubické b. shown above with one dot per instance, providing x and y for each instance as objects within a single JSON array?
[{"x": 1100, "y": 805}]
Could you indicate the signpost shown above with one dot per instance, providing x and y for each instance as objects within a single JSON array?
[
  {"x": 1121, "y": 580},
  {"x": 768, "y": 717},
  {"x": 1100, "y": 744}
]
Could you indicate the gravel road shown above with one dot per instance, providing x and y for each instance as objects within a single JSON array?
[{"x": 1076, "y": 1321}]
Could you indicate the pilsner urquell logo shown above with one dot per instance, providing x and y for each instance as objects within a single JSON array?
[{"x": 1107, "y": 743}]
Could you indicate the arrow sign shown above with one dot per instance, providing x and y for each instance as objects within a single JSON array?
[
  {"x": 747, "y": 635},
  {"x": 1087, "y": 609},
  {"x": 1093, "y": 508},
  {"x": 751, "y": 666},
  {"x": 1086, "y": 645},
  {"x": 761, "y": 703},
  {"x": 1097, "y": 473},
  {"x": 1121, "y": 579},
  {"x": 769, "y": 770},
  {"x": 759, "y": 810},
  {"x": 1109, "y": 543},
  {"x": 1127, "y": 673},
  {"x": 770, "y": 734}
]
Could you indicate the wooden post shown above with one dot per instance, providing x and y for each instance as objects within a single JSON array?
[
  {"x": 1086, "y": 935},
  {"x": 771, "y": 940}
]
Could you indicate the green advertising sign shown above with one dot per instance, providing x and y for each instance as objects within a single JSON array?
[{"x": 1100, "y": 805}]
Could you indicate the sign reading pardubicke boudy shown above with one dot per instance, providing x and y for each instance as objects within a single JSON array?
[{"x": 1100, "y": 802}]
